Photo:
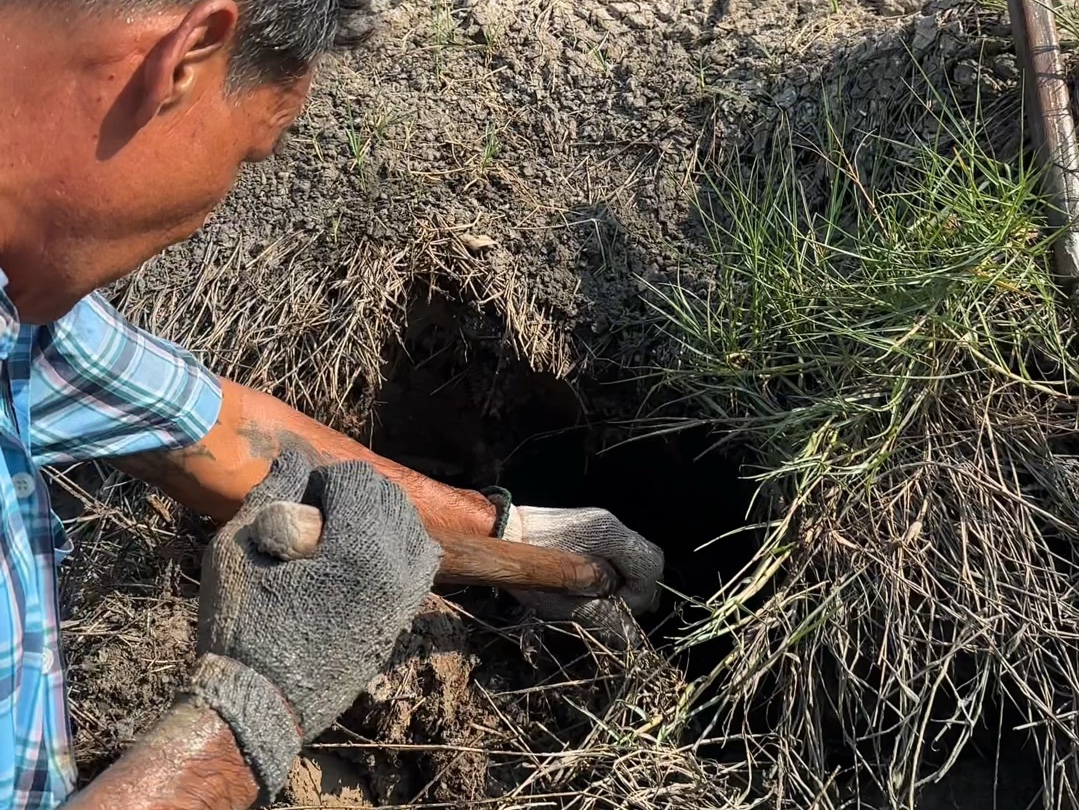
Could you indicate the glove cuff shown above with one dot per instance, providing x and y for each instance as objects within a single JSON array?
[{"x": 256, "y": 712}]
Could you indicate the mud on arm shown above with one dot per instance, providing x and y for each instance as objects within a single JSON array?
[
  {"x": 213, "y": 476},
  {"x": 188, "y": 761}
]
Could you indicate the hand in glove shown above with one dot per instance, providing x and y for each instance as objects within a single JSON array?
[
  {"x": 601, "y": 534},
  {"x": 287, "y": 646}
]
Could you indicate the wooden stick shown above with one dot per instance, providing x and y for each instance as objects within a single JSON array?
[
  {"x": 1052, "y": 126},
  {"x": 292, "y": 530}
]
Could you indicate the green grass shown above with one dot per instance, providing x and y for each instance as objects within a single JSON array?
[
  {"x": 883, "y": 331},
  {"x": 492, "y": 147},
  {"x": 444, "y": 33},
  {"x": 374, "y": 131},
  {"x": 598, "y": 53}
]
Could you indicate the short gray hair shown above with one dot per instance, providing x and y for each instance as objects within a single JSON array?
[{"x": 277, "y": 40}]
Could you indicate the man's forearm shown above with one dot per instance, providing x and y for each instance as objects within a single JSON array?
[
  {"x": 188, "y": 761},
  {"x": 214, "y": 476}
]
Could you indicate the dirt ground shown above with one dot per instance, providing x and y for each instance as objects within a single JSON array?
[
  {"x": 532, "y": 161},
  {"x": 446, "y": 258}
]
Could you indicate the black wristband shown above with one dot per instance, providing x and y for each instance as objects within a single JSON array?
[{"x": 502, "y": 501}]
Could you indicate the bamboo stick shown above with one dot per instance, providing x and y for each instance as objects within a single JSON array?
[{"x": 1052, "y": 126}]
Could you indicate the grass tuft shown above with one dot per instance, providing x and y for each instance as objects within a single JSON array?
[{"x": 885, "y": 335}]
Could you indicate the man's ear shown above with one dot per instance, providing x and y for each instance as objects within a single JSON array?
[{"x": 174, "y": 65}]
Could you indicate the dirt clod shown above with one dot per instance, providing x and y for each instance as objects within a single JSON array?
[
  {"x": 325, "y": 780},
  {"x": 427, "y": 715}
]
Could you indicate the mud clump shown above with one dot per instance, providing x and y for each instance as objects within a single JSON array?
[
  {"x": 417, "y": 734},
  {"x": 427, "y": 699},
  {"x": 462, "y": 714}
]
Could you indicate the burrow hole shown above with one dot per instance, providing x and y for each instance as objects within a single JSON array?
[{"x": 471, "y": 418}]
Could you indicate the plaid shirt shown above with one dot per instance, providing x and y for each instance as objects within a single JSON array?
[{"x": 89, "y": 385}]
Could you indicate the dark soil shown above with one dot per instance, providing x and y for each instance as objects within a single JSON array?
[{"x": 449, "y": 262}]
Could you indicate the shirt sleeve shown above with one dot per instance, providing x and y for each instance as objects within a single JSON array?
[{"x": 101, "y": 387}]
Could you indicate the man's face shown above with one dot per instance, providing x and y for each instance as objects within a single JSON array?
[{"x": 130, "y": 137}]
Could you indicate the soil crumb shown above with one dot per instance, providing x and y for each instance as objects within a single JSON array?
[{"x": 325, "y": 780}]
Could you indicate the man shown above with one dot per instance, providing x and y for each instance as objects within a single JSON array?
[{"x": 125, "y": 124}]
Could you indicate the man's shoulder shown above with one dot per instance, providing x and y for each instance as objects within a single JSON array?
[
  {"x": 97, "y": 338},
  {"x": 91, "y": 320},
  {"x": 101, "y": 386}
]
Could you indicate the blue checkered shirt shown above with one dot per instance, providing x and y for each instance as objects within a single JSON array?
[{"x": 89, "y": 385}]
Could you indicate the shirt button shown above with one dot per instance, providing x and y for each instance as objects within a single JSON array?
[
  {"x": 46, "y": 660},
  {"x": 24, "y": 484}
]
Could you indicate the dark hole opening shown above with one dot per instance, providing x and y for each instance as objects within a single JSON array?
[{"x": 472, "y": 418}]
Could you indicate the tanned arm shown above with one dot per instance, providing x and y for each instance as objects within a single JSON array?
[
  {"x": 213, "y": 476},
  {"x": 188, "y": 761}
]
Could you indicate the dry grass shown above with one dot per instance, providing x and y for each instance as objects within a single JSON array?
[
  {"x": 129, "y": 611},
  {"x": 883, "y": 332},
  {"x": 328, "y": 326},
  {"x": 619, "y": 761}
]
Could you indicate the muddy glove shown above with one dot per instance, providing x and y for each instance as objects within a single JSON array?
[
  {"x": 601, "y": 534},
  {"x": 287, "y": 646}
]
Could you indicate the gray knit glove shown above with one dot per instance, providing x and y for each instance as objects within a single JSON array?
[
  {"x": 599, "y": 533},
  {"x": 287, "y": 646}
]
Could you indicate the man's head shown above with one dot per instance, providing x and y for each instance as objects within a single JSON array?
[{"x": 126, "y": 123}]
